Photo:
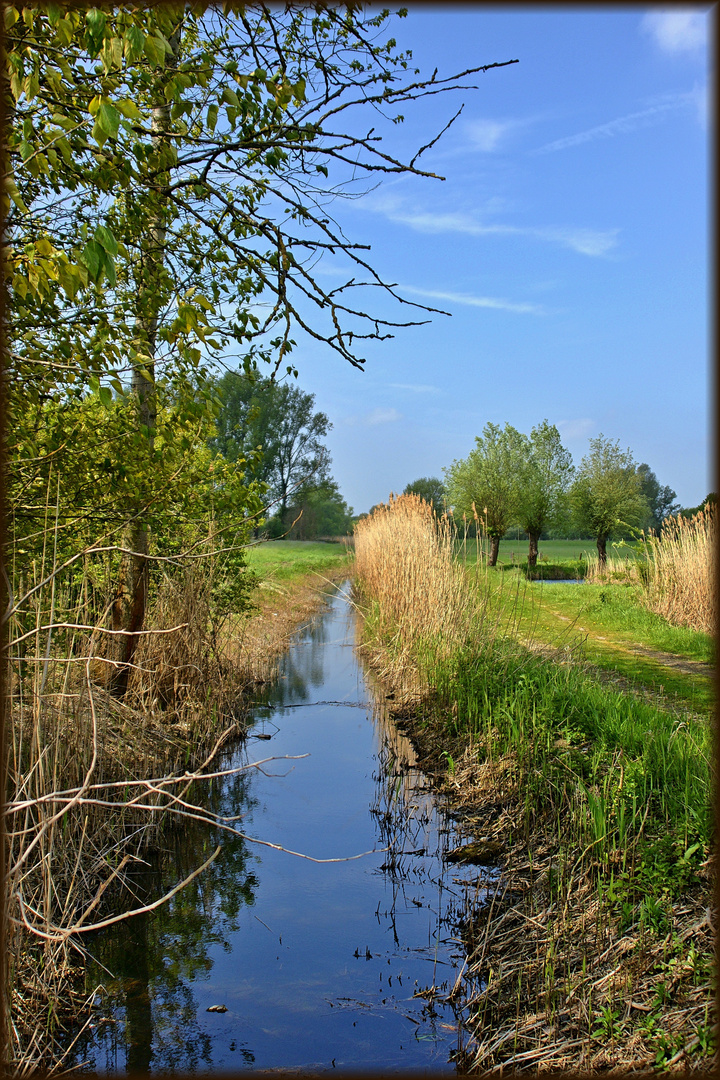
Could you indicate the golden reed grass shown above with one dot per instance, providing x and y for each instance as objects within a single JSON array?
[
  {"x": 681, "y": 578},
  {"x": 404, "y": 561}
]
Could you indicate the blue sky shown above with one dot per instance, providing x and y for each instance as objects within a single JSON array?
[{"x": 569, "y": 241}]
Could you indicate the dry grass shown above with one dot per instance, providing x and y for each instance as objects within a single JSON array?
[
  {"x": 681, "y": 580},
  {"x": 405, "y": 565},
  {"x": 625, "y": 571},
  {"x": 82, "y": 804}
]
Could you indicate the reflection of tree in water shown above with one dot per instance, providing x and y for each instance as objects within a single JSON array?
[
  {"x": 155, "y": 957},
  {"x": 303, "y": 666}
]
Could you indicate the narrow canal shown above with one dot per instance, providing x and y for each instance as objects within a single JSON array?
[{"x": 317, "y": 965}]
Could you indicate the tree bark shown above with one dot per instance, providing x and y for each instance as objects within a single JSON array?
[
  {"x": 533, "y": 549},
  {"x": 494, "y": 550},
  {"x": 602, "y": 551},
  {"x": 131, "y": 595}
]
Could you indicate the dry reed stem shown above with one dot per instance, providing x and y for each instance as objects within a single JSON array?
[
  {"x": 79, "y": 756},
  {"x": 681, "y": 584},
  {"x": 405, "y": 565}
]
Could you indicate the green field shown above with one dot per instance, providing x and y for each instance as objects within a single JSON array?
[
  {"x": 554, "y": 551},
  {"x": 284, "y": 560}
]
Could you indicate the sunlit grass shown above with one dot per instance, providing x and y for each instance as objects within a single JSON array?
[{"x": 283, "y": 560}]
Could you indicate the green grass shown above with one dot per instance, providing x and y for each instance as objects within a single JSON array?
[
  {"x": 285, "y": 560},
  {"x": 601, "y": 623},
  {"x": 582, "y": 748},
  {"x": 554, "y": 551}
]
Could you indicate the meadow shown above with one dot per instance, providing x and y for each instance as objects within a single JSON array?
[
  {"x": 287, "y": 560},
  {"x": 590, "y": 777}
]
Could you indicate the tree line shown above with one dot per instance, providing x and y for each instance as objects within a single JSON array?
[
  {"x": 530, "y": 481},
  {"x": 274, "y": 430}
]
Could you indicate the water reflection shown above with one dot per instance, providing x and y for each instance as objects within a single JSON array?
[{"x": 318, "y": 965}]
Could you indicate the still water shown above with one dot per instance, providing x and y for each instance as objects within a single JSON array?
[{"x": 319, "y": 966}]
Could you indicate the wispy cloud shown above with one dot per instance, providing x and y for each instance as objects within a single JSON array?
[
  {"x": 576, "y": 429},
  {"x": 586, "y": 241},
  {"x": 476, "y": 301},
  {"x": 487, "y": 135},
  {"x": 677, "y": 31},
  {"x": 415, "y": 388},
  {"x": 622, "y": 125},
  {"x": 372, "y": 419}
]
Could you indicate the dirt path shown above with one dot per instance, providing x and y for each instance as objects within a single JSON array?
[{"x": 669, "y": 660}]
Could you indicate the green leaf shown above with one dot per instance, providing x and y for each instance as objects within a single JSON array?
[
  {"x": 98, "y": 134},
  {"x": 128, "y": 109},
  {"x": 11, "y": 17},
  {"x": 134, "y": 43},
  {"x": 155, "y": 51},
  {"x": 96, "y": 20},
  {"x": 212, "y": 115},
  {"x": 106, "y": 239},
  {"x": 105, "y": 394},
  {"x": 92, "y": 256},
  {"x": 108, "y": 118}
]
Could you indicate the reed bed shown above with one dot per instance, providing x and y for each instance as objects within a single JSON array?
[
  {"x": 627, "y": 570},
  {"x": 405, "y": 567},
  {"x": 91, "y": 776},
  {"x": 681, "y": 582},
  {"x": 604, "y": 799}
]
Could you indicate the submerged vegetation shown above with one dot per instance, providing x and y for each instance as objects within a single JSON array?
[{"x": 599, "y": 795}]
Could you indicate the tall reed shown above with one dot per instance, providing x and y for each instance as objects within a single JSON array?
[
  {"x": 681, "y": 577},
  {"x": 81, "y": 803},
  {"x": 405, "y": 564}
]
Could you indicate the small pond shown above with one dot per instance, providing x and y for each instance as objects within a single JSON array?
[{"x": 319, "y": 965}]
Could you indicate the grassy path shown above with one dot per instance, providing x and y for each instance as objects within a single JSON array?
[{"x": 606, "y": 627}]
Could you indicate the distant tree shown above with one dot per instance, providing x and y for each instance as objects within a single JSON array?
[
  {"x": 546, "y": 472},
  {"x": 607, "y": 496},
  {"x": 691, "y": 511},
  {"x": 318, "y": 511},
  {"x": 431, "y": 489},
  {"x": 661, "y": 500},
  {"x": 274, "y": 427},
  {"x": 486, "y": 482}
]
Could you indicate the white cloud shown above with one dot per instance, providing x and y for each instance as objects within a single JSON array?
[
  {"x": 476, "y": 301},
  {"x": 576, "y": 429},
  {"x": 372, "y": 419},
  {"x": 584, "y": 241},
  {"x": 486, "y": 135},
  {"x": 622, "y": 125},
  {"x": 677, "y": 31},
  {"x": 415, "y": 388}
]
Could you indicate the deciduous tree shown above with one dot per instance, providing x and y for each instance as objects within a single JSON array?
[
  {"x": 607, "y": 496},
  {"x": 167, "y": 183},
  {"x": 485, "y": 485},
  {"x": 431, "y": 489},
  {"x": 545, "y": 474}
]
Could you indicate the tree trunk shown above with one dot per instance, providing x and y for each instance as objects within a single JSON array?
[
  {"x": 130, "y": 603},
  {"x": 494, "y": 550},
  {"x": 533, "y": 549},
  {"x": 602, "y": 552}
]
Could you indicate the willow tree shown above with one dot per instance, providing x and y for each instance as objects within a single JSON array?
[
  {"x": 486, "y": 483},
  {"x": 169, "y": 173},
  {"x": 545, "y": 474},
  {"x": 607, "y": 497}
]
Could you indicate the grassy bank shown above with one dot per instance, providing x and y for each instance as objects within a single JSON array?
[
  {"x": 609, "y": 627},
  {"x": 595, "y": 949}
]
